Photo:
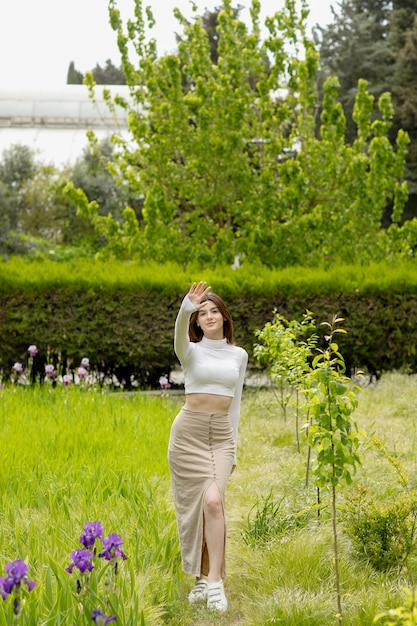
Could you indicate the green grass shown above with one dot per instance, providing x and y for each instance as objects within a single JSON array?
[{"x": 70, "y": 456}]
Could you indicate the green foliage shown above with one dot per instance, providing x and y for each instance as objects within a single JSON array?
[
  {"x": 17, "y": 169},
  {"x": 71, "y": 457},
  {"x": 266, "y": 522},
  {"x": 285, "y": 349},
  {"x": 225, "y": 153},
  {"x": 36, "y": 214},
  {"x": 376, "y": 40},
  {"x": 31, "y": 202},
  {"x": 382, "y": 533},
  {"x": 332, "y": 401},
  {"x": 74, "y": 456},
  {"x": 405, "y": 615},
  {"x": 74, "y": 76},
  {"x": 331, "y": 433},
  {"x": 403, "y": 39},
  {"x": 121, "y": 314},
  {"x": 109, "y": 74},
  {"x": 355, "y": 45},
  {"x": 17, "y": 165}
]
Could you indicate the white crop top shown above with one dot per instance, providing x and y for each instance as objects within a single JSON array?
[{"x": 210, "y": 365}]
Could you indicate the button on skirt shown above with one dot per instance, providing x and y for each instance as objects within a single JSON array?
[{"x": 200, "y": 451}]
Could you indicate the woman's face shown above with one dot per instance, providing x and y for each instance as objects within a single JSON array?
[{"x": 211, "y": 321}]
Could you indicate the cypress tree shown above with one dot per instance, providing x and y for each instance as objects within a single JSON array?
[{"x": 74, "y": 77}]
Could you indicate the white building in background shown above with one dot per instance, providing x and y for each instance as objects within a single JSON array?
[{"x": 54, "y": 122}]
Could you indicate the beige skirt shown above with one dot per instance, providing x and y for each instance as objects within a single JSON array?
[{"x": 200, "y": 452}]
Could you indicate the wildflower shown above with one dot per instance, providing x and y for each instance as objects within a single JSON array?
[
  {"x": 16, "y": 573},
  {"x": 18, "y": 367},
  {"x": 164, "y": 382},
  {"x": 111, "y": 547},
  {"x": 81, "y": 559},
  {"x": 82, "y": 372},
  {"x": 67, "y": 379},
  {"x": 33, "y": 350},
  {"x": 91, "y": 532},
  {"x": 49, "y": 370},
  {"x": 101, "y": 620},
  {"x": 85, "y": 362}
]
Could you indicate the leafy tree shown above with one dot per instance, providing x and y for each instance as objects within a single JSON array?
[
  {"x": 333, "y": 433},
  {"x": 74, "y": 77},
  {"x": 210, "y": 23},
  {"x": 403, "y": 37},
  {"x": 44, "y": 208},
  {"x": 285, "y": 349},
  {"x": 401, "y": 20},
  {"x": 239, "y": 169},
  {"x": 17, "y": 167},
  {"x": 355, "y": 45},
  {"x": 35, "y": 214},
  {"x": 91, "y": 173},
  {"x": 376, "y": 40},
  {"x": 94, "y": 173},
  {"x": 109, "y": 74}
]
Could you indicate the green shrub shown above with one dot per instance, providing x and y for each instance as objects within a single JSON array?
[
  {"x": 382, "y": 533},
  {"x": 121, "y": 315}
]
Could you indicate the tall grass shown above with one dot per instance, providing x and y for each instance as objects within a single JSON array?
[{"x": 70, "y": 456}]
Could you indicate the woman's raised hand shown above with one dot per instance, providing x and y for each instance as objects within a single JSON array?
[{"x": 197, "y": 293}]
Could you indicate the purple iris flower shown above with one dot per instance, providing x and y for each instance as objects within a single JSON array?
[
  {"x": 33, "y": 350},
  {"x": 164, "y": 382},
  {"x": 101, "y": 620},
  {"x": 91, "y": 532},
  {"x": 49, "y": 370},
  {"x": 18, "y": 367},
  {"x": 111, "y": 547},
  {"x": 85, "y": 362},
  {"x": 16, "y": 573},
  {"x": 81, "y": 559},
  {"x": 82, "y": 372},
  {"x": 67, "y": 379}
]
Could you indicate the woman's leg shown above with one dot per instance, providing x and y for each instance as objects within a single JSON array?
[{"x": 214, "y": 528}]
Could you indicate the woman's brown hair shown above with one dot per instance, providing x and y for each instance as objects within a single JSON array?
[{"x": 194, "y": 331}]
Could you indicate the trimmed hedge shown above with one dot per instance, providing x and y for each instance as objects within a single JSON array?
[{"x": 121, "y": 316}]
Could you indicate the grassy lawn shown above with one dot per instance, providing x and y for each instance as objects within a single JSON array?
[{"x": 70, "y": 456}]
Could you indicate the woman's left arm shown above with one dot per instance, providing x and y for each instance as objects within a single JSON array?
[{"x": 235, "y": 405}]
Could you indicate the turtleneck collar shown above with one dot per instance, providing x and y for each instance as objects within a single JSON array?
[{"x": 213, "y": 343}]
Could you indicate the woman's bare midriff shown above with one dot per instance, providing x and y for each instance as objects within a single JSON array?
[{"x": 207, "y": 403}]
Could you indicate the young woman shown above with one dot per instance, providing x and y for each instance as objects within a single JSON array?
[{"x": 202, "y": 446}]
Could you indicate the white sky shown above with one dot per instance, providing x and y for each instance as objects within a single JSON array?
[{"x": 39, "y": 38}]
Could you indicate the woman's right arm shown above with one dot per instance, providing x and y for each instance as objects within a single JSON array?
[
  {"x": 192, "y": 302},
  {"x": 181, "y": 337}
]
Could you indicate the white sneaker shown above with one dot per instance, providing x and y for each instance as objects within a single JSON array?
[
  {"x": 216, "y": 598},
  {"x": 199, "y": 592}
]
